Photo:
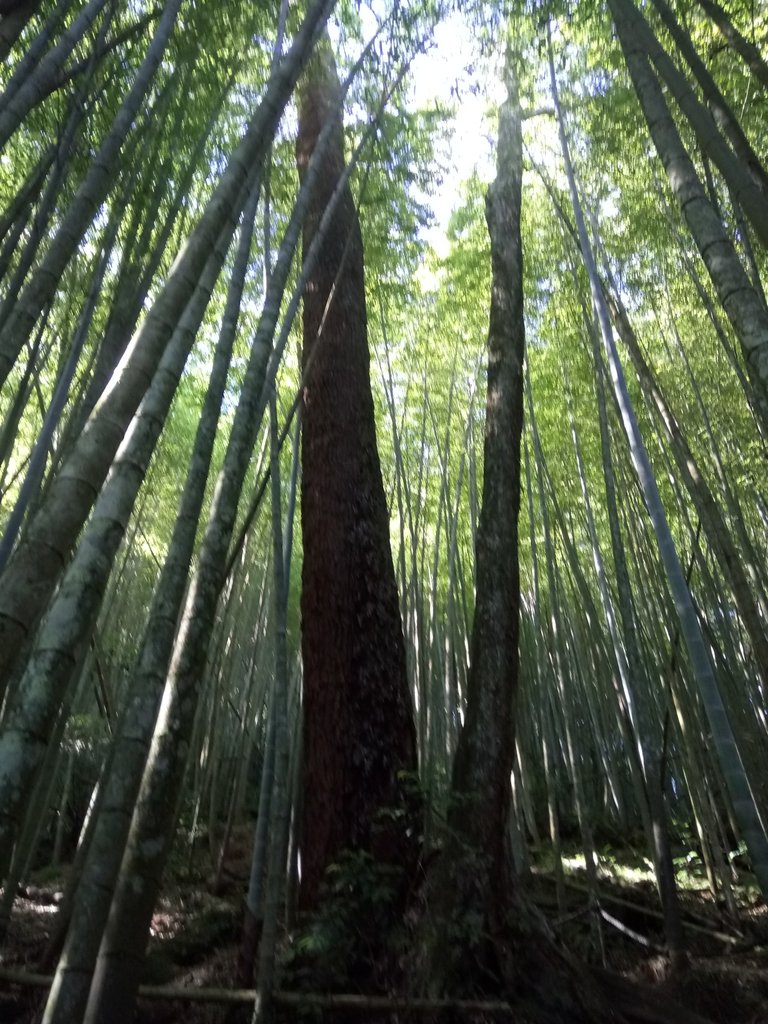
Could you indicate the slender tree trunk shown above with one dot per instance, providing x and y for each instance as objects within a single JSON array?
[
  {"x": 136, "y": 281},
  {"x": 649, "y": 797},
  {"x": 32, "y": 75},
  {"x": 69, "y": 993},
  {"x": 45, "y": 211},
  {"x": 734, "y": 289},
  {"x": 722, "y": 113},
  {"x": 17, "y": 214},
  {"x": 115, "y": 979},
  {"x": 749, "y": 53},
  {"x": 544, "y": 717},
  {"x": 744, "y": 373},
  {"x": 93, "y": 190},
  {"x": 253, "y": 910},
  {"x": 707, "y": 508},
  {"x": 67, "y": 627},
  {"x": 753, "y": 559},
  {"x": 281, "y": 792},
  {"x": 555, "y": 641},
  {"x": 476, "y": 914},
  {"x": 101, "y": 49},
  {"x": 36, "y": 566},
  {"x": 751, "y": 826},
  {"x": 254, "y": 898},
  {"x": 734, "y": 168},
  {"x": 39, "y": 455}
]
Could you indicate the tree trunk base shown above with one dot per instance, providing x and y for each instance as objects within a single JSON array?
[
  {"x": 249, "y": 947},
  {"x": 508, "y": 952}
]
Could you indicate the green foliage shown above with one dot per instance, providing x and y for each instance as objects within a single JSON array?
[{"x": 347, "y": 938}]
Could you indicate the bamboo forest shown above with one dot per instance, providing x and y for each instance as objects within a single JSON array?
[{"x": 384, "y": 511}]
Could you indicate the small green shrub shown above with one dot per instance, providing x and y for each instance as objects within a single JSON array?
[{"x": 351, "y": 934}]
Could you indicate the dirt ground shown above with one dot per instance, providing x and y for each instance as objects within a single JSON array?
[{"x": 195, "y": 940}]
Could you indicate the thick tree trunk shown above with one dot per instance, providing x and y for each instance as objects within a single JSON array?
[
  {"x": 359, "y": 732},
  {"x": 472, "y": 881},
  {"x": 483, "y": 764},
  {"x": 152, "y": 829}
]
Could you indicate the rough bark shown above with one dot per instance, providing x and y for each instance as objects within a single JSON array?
[
  {"x": 473, "y": 882},
  {"x": 152, "y": 829},
  {"x": 483, "y": 764},
  {"x": 359, "y": 732}
]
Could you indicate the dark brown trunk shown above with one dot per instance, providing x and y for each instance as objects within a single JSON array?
[{"x": 359, "y": 735}]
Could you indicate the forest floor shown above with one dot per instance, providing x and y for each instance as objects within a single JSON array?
[{"x": 195, "y": 937}]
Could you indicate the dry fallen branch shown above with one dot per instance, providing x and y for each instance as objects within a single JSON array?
[
  {"x": 642, "y": 940},
  {"x": 651, "y": 912},
  {"x": 381, "y": 1004}
]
